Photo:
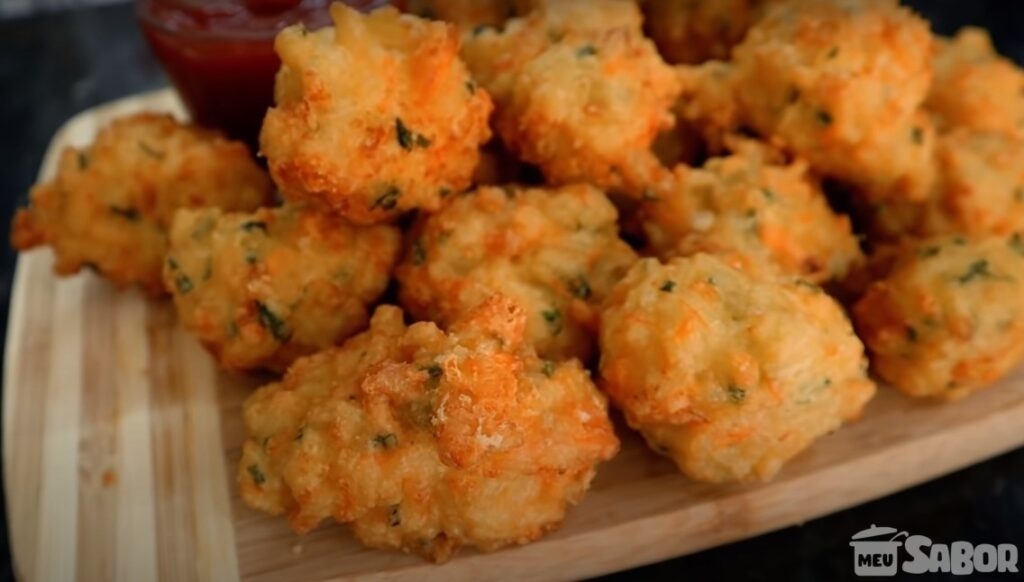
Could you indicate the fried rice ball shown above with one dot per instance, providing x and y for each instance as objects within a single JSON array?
[
  {"x": 694, "y": 31},
  {"x": 757, "y": 213},
  {"x": 840, "y": 82},
  {"x": 555, "y": 251},
  {"x": 402, "y": 137},
  {"x": 427, "y": 441},
  {"x": 948, "y": 319},
  {"x": 261, "y": 289},
  {"x": 729, "y": 374},
  {"x": 110, "y": 204},
  {"x": 582, "y": 98},
  {"x": 975, "y": 87},
  {"x": 980, "y": 190}
]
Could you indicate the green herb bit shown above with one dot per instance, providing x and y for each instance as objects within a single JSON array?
[
  {"x": 928, "y": 252},
  {"x": 768, "y": 194},
  {"x": 83, "y": 161},
  {"x": 385, "y": 441},
  {"x": 408, "y": 138},
  {"x": 580, "y": 287},
  {"x": 388, "y": 200},
  {"x": 183, "y": 284},
  {"x": 270, "y": 321},
  {"x": 479, "y": 29},
  {"x": 1017, "y": 243},
  {"x": 586, "y": 51},
  {"x": 257, "y": 475},
  {"x": 917, "y": 135},
  {"x": 394, "y": 516},
  {"x": 471, "y": 87},
  {"x": 251, "y": 225},
  {"x": 736, "y": 394},
  {"x": 978, "y": 270},
  {"x": 126, "y": 212},
  {"x": 668, "y": 286},
  {"x": 832, "y": 53},
  {"x": 548, "y": 368},
  {"x": 824, "y": 117},
  {"x": 149, "y": 151},
  {"x": 434, "y": 373},
  {"x": 808, "y": 285},
  {"x": 419, "y": 254},
  {"x": 911, "y": 333},
  {"x": 445, "y": 192},
  {"x": 554, "y": 318}
]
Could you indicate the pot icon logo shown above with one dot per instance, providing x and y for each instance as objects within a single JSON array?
[{"x": 876, "y": 551}]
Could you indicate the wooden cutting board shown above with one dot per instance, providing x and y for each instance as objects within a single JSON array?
[{"x": 121, "y": 440}]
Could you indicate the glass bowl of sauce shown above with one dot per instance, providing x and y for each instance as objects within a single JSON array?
[{"x": 219, "y": 54}]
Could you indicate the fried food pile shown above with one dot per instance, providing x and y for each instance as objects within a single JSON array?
[{"x": 734, "y": 215}]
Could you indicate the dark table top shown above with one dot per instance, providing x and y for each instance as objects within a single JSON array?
[{"x": 56, "y": 65}]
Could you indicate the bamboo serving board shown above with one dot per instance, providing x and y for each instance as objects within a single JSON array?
[{"x": 121, "y": 440}]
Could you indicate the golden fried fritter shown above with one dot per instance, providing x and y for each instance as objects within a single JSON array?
[
  {"x": 840, "y": 83},
  {"x": 110, "y": 204},
  {"x": 579, "y": 92},
  {"x": 694, "y": 31},
  {"x": 727, "y": 373},
  {"x": 425, "y": 440},
  {"x": 556, "y": 252},
  {"x": 980, "y": 190},
  {"x": 374, "y": 116},
  {"x": 754, "y": 212},
  {"x": 976, "y": 88},
  {"x": 262, "y": 289},
  {"x": 949, "y": 317}
]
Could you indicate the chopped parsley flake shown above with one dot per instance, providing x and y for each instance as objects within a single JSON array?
[
  {"x": 385, "y": 441},
  {"x": 149, "y": 151},
  {"x": 251, "y": 225},
  {"x": 736, "y": 394},
  {"x": 270, "y": 321},
  {"x": 388, "y": 200},
  {"x": 408, "y": 138},
  {"x": 257, "y": 475},
  {"x": 394, "y": 516},
  {"x": 668, "y": 286},
  {"x": 548, "y": 368},
  {"x": 580, "y": 288},
  {"x": 917, "y": 135},
  {"x": 126, "y": 212},
  {"x": 977, "y": 270},
  {"x": 83, "y": 161},
  {"x": 824, "y": 117},
  {"x": 586, "y": 51},
  {"x": 554, "y": 318},
  {"x": 928, "y": 252},
  {"x": 434, "y": 373},
  {"x": 1017, "y": 243},
  {"x": 911, "y": 333},
  {"x": 419, "y": 254}
]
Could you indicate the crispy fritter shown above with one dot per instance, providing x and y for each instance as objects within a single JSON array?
[
  {"x": 425, "y": 440},
  {"x": 729, "y": 374},
  {"x": 948, "y": 319},
  {"x": 374, "y": 116},
  {"x": 975, "y": 87},
  {"x": 754, "y": 212},
  {"x": 110, "y": 204},
  {"x": 262, "y": 289},
  {"x": 840, "y": 82},
  {"x": 579, "y": 92},
  {"x": 979, "y": 191},
  {"x": 691, "y": 32},
  {"x": 556, "y": 252}
]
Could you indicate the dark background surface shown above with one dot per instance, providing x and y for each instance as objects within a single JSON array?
[{"x": 55, "y": 65}]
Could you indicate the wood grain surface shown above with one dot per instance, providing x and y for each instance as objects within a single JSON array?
[{"x": 121, "y": 440}]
